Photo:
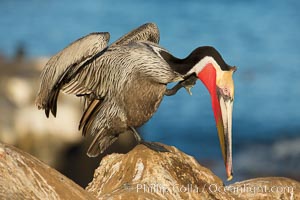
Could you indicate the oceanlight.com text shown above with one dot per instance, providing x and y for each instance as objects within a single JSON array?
[{"x": 213, "y": 188}]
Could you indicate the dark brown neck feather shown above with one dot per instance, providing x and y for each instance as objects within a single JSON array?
[{"x": 182, "y": 66}]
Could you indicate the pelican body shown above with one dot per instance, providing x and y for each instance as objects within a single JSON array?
[{"x": 124, "y": 83}]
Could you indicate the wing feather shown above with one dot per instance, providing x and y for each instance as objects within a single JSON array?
[
  {"x": 147, "y": 32},
  {"x": 88, "y": 113},
  {"x": 63, "y": 66}
]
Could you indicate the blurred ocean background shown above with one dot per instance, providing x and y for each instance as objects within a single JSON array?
[{"x": 261, "y": 38}]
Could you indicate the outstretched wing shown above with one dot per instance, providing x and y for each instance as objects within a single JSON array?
[
  {"x": 63, "y": 66},
  {"x": 147, "y": 32},
  {"x": 81, "y": 69}
]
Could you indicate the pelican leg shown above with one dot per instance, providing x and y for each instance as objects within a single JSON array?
[
  {"x": 187, "y": 84},
  {"x": 151, "y": 145},
  {"x": 136, "y": 135}
]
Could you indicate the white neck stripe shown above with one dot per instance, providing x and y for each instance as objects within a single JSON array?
[{"x": 202, "y": 63}]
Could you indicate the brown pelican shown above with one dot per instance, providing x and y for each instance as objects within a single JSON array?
[{"x": 124, "y": 83}]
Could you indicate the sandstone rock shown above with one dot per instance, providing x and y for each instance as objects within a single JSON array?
[
  {"x": 267, "y": 188},
  {"x": 139, "y": 174},
  {"x": 25, "y": 177},
  {"x": 145, "y": 174}
]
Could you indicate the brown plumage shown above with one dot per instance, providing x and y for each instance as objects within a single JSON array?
[{"x": 123, "y": 84}]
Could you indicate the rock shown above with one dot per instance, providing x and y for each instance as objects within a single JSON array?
[
  {"x": 267, "y": 188},
  {"x": 25, "y": 177},
  {"x": 140, "y": 174},
  {"x": 146, "y": 174}
]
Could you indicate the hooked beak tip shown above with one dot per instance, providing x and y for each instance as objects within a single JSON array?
[
  {"x": 229, "y": 178},
  {"x": 229, "y": 172}
]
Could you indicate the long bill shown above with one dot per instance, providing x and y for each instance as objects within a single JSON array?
[
  {"x": 223, "y": 115},
  {"x": 222, "y": 104}
]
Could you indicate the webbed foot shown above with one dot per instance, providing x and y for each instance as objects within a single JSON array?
[
  {"x": 154, "y": 146},
  {"x": 151, "y": 145},
  {"x": 187, "y": 84}
]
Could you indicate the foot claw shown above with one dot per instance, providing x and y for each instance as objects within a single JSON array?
[
  {"x": 187, "y": 84},
  {"x": 188, "y": 89}
]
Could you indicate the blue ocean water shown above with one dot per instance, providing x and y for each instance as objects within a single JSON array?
[{"x": 260, "y": 37}]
